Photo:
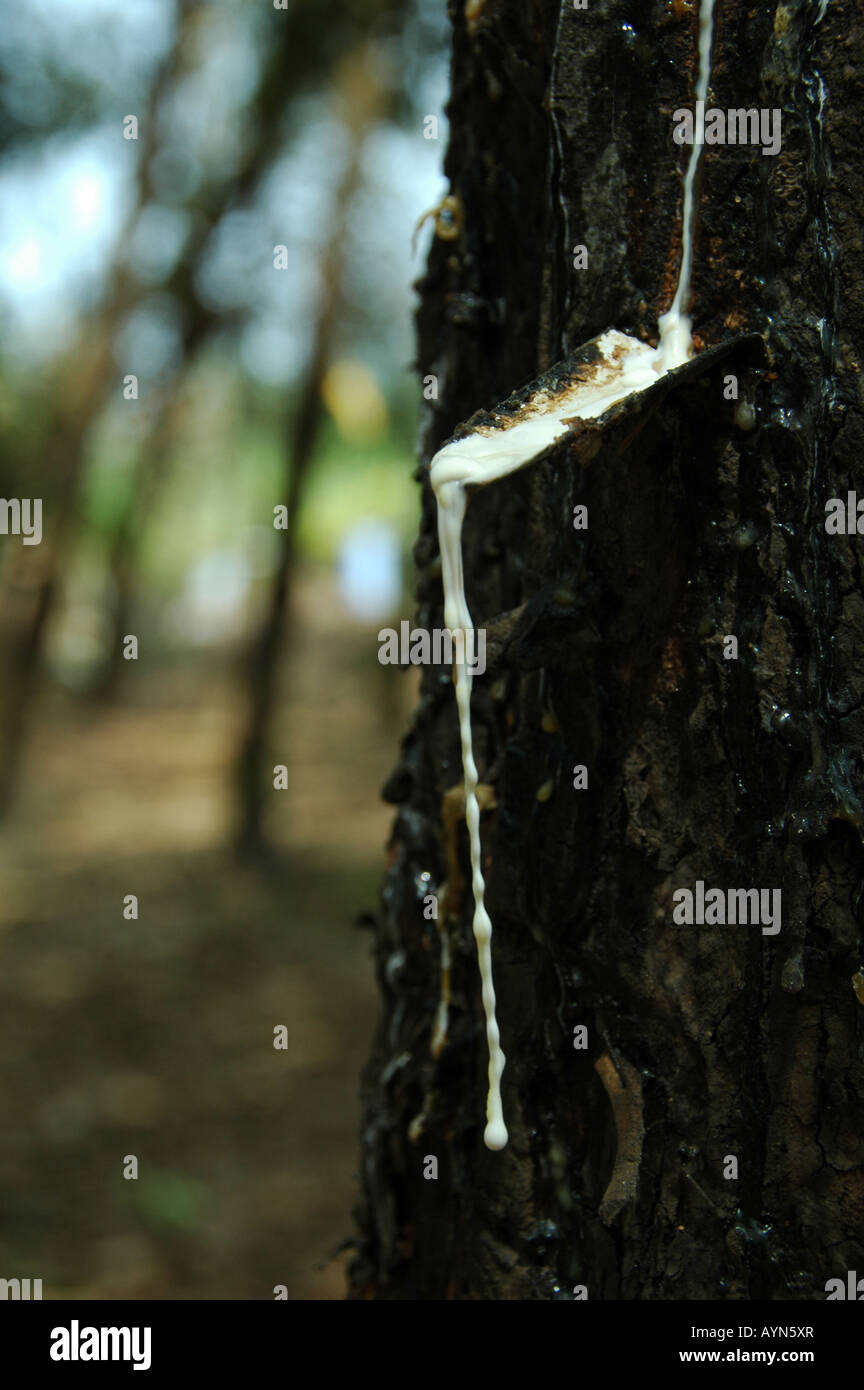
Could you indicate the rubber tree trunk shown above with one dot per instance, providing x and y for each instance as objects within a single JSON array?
[{"x": 706, "y": 520}]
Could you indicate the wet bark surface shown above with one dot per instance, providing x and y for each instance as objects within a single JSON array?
[{"x": 706, "y": 518}]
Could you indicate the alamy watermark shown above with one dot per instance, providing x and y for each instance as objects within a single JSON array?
[
  {"x": 77, "y": 1343},
  {"x": 21, "y": 516},
  {"x": 737, "y": 126},
  {"x": 19, "y": 1290},
  {"x": 733, "y": 906},
  {"x": 438, "y": 646},
  {"x": 849, "y": 1288},
  {"x": 845, "y": 518}
]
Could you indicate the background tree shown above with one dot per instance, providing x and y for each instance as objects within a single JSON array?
[
  {"x": 154, "y": 258},
  {"x": 707, "y": 518},
  {"x": 358, "y": 97}
]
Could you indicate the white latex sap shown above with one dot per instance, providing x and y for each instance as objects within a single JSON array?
[
  {"x": 676, "y": 343},
  {"x": 626, "y": 366}
]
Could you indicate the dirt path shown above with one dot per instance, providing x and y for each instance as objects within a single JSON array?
[{"x": 154, "y": 1037}]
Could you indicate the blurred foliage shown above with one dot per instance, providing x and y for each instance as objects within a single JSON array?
[{"x": 155, "y": 257}]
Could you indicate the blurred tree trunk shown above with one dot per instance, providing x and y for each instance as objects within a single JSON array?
[
  {"x": 703, "y": 1042},
  {"x": 87, "y": 373},
  {"x": 359, "y": 97},
  {"x": 79, "y": 392},
  {"x": 149, "y": 476}
]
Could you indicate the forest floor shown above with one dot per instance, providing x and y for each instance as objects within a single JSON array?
[{"x": 153, "y": 1037}]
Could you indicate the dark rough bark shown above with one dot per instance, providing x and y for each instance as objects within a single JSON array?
[{"x": 723, "y": 1041}]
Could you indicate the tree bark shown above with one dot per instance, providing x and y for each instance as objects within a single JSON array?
[{"x": 706, "y": 519}]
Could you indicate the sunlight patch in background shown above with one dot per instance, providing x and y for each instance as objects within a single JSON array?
[
  {"x": 353, "y": 397},
  {"x": 59, "y": 218},
  {"x": 370, "y": 570},
  {"x": 65, "y": 199}
]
